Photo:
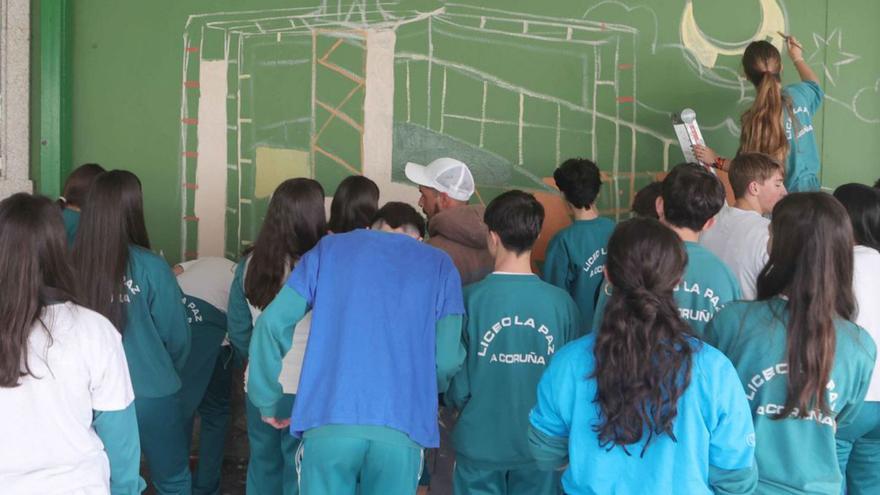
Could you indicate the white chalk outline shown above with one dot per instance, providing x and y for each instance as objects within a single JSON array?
[
  {"x": 464, "y": 19},
  {"x": 822, "y": 45}
]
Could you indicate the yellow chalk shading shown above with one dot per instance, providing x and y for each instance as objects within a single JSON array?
[{"x": 275, "y": 165}]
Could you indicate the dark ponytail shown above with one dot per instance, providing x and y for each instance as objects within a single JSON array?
[{"x": 643, "y": 355}]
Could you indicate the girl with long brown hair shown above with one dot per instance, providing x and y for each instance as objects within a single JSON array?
[
  {"x": 641, "y": 406},
  {"x": 804, "y": 365},
  {"x": 67, "y": 414},
  {"x": 780, "y": 121},
  {"x": 134, "y": 288},
  {"x": 295, "y": 221}
]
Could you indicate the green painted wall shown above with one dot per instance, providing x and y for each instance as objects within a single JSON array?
[{"x": 127, "y": 73}]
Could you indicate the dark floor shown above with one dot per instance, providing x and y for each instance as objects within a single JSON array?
[{"x": 439, "y": 461}]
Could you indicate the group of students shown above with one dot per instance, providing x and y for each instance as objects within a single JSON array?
[{"x": 698, "y": 347}]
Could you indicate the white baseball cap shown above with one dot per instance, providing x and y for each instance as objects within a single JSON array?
[{"x": 446, "y": 175}]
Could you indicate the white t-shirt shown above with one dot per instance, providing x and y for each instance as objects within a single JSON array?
[
  {"x": 47, "y": 443},
  {"x": 291, "y": 364},
  {"x": 866, "y": 286},
  {"x": 739, "y": 238},
  {"x": 208, "y": 279}
]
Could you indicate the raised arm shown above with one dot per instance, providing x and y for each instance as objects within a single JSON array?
[{"x": 795, "y": 52}]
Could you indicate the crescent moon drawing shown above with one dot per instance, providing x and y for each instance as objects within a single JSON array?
[{"x": 706, "y": 49}]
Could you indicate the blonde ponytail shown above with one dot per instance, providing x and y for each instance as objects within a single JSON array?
[{"x": 762, "y": 124}]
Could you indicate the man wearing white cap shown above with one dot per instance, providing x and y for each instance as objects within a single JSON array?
[{"x": 446, "y": 185}]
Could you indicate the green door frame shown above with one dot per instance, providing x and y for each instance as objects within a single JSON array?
[{"x": 55, "y": 96}]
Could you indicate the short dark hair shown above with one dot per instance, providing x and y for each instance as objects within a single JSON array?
[
  {"x": 862, "y": 203},
  {"x": 579, "y": 180},
  {"x": 746, "y": 168},
  {"x": 644, "y": 203},
  {"x": 396, "y": 214},
  {"x": 691, "y": 196},
  {"x": 516, "y": 217}
]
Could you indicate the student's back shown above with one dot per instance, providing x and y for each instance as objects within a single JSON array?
[
  {"x": 515, "y": 324},
  {"x": 48, "y": 418},
  {"x": 136, "y": 290},
  {"x": 67, "y": 417},
  {"x": 712, "y": 429},
  {"x": 575, "y": 261},
  {"x": 156, "y": 338},
  {"x": 707, "y": 286},
  {"x": 371, "y": 342},
  {"x": 691, "y": 197},
  {"x": 640, "y": 405},
  {"x": 804, "y": 366},
  {"x": 794, "y": 455},
  {"x": 575, "y": 257}
]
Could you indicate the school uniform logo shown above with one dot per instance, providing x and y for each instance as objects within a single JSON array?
[
  {"x": 802, "y": 129},
  {"x": 760, "y": 380},
  {"x": 195, "y": 315},
  {"x": 516, "y": 323},
  {"x": 709, "y": 297},
  {"x": 595, "y": 264},
  {"x": 130, "y": 288}
]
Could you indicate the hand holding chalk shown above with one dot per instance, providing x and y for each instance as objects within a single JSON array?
[{"x": 795, "y": 50}]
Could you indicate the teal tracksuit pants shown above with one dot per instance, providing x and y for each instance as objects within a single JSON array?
[
  {"x": 359, "y": 460},
  {"x": 206, "y": 390},
  {"x": 471, "y": 480},
  {"x": 164, "y": 443},
  {"x": 272, "y": 463}
]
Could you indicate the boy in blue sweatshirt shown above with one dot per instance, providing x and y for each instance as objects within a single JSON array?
[{"x": 384, "y": 341}]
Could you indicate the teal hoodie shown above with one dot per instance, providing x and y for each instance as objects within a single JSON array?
[
  {"x": 156, "y": 336},
  {"x": 794, "y": 455},
  {"x": 575, "y": 261},
  {"x": 71, "y": 224}
]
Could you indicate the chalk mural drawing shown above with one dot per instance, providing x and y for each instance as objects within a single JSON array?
[
  {"x": 830, "y": 54},
  {"x": 361, "y": 93},
  {"x": 706, "y": 50},
  {"x": 363, "y": 87},
  {"x": 866, "y": 103},
  {"x": 631, "y": 8}
]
